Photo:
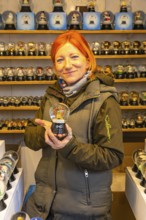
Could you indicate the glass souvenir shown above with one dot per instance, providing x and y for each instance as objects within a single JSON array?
[
  {"x": 139, "y": 20},
  {"x": 17, "y": 101},
  {"x": 124, "y": 98},
  {"x": 30, "y": 73},
  {"x": 139, "y": 120},
  {"x": 142, "y": 169},
  {"x": 20, "y": 216},
  {"x": 126, "y": 47},
  {"x": 13, "y": 155},
  {"x": 125, "y": 5},
  {"x": 39, "y": 73},
  {"x": 41, "y": 49},
  {"x": 20, "y": 74},
  {"x": 6, "y": 101},
  {"x": 119, "y": 72},
  {"x": 106, "y": 48},
  {"x": 74, "y": 20},
  {"x": 96, "y": 48},
  {"x": 9, "y": 162},
  {"x": 107, "y": 19},
  {"x": 133, "y": 98},
  {"x": 25, "y": 5},
  {"x": 135, "y": 155},
  {"x": 2, "y": 49},
  {"x": 59, "y": 115},
  {"x": 91, "y": 6},
  {"x": 42, "y": 20},
  {"x": 10, "y": 74},
  {"x": 125, "y": 123},
  {"x": 21, "y": 48},
  {"x": 136, "y": 47},
  {"x": 49, "y": 73},
  {"x": 142, "y": 96},
  {"x": 2, "y": 74},
  {"x": 58, "y": 6},
  {"x": 143, "y": 47},
  {"x": 130, "y": 72},
  {"x": 116, "y": 47},
  {"x": 11, "y": 49},
  {"x": 31, "y": 49},
  {"x": 142, "y": 71},
  {"x": 132, "y": 123},
  {"x": 9, "y": 20},
  {"x": 24, "y": 100},
  {"x": 5, "y": 174},
  {"x": 2, "y": 194},
  {"x": 140, "y": 159}
]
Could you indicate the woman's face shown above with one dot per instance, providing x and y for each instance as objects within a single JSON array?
[{"x": 70, "y": 64}]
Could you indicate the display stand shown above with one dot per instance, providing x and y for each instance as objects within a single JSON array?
[
  {"x": 135, "y": 195},
  {"x": 29, "y": 158},
  {"x": 15, "y": 197},
  {"x": 2, "y": 148}
]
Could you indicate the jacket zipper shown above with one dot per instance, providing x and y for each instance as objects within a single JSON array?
[{"x": 87, "y": 186}]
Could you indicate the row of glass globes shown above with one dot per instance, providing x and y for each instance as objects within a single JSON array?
[
  {"x": 8, "y": 169},
  {"x": 138, "y": 120},
  {"x": 139, "y": 167},
  {"x": 20, "y": 101},
  {"x": 26, "y": 73},
  {"x": 117, "y": 47},
  {"x": 43, "y": 49},
  {"x": 21, "y": 48},
  {"x": 129, "y": 71},
  {"x": 132, "y": 98},
  {"x": 13, "y": 124},
  {"x": 74, "y": 19}
]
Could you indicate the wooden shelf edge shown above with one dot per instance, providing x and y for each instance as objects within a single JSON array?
[
  {"x": 134, "y": 130},
  {"x": 34, "y": 82},
  {"x": 81, "y": 31},
  {"x": 4, "y": 131},
  {"x": 135, "y": 80},
  {"x": 19, "y": 108},
  {"x": 140, "y": 107}
]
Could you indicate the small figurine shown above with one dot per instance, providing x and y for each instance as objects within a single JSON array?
[
  {"x": 9, "y": 20},
  {"x": 139, "y": 20},
  {"x": 41, "y": 49},
  {"x": 123, "y": 7},
  {"x": 74, "y": 20},
  {"x": 107, "y": 18},
  {"x": 21, "y": 48},
  {"x": 58, "y": 6},
  {"x": 42, "y": 20},
  {"x": 31, "y": 49}
]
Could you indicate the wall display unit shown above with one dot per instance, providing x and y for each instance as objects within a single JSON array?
[{"x": 38, "y": 87}]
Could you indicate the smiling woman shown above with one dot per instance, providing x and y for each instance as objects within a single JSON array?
[{"x": 74, "y": 175}]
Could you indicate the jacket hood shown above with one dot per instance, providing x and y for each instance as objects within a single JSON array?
[{"x": 104, "y": 78}]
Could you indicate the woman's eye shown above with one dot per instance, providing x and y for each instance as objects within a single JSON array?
[
  {"x": 59, "y": 60},
  {"x": 75, "y": 57}
]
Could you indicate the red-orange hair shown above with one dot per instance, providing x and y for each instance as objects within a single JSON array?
[{"x": 76, "y": 39}]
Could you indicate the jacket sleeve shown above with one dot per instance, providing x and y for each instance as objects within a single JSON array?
[
  {"x": 34, "y": 134},
  {"x": 106, "y": 152}
]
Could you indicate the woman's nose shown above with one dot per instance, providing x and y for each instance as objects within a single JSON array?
[{"x": 68, "y": 63}]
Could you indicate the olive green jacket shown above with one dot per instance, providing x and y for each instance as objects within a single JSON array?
[{"x": 77, "y": 178}]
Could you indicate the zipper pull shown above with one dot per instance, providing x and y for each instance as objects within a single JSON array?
[{"x": 86, "y": 173}]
